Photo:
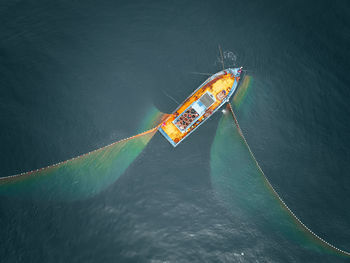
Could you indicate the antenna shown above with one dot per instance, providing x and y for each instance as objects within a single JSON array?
[{"x": 222, "y": 58}]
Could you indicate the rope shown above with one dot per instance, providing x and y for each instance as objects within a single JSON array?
[
  {"x": 170, "y": 97},
  {"x": 71, "y": 159},
  {"x": 222, "y": 58},
  {"x": 201, "y": 73},
  {"x": 275, "y": 192}
]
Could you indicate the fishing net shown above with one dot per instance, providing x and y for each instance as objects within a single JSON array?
[
  {"x": 85, "y": 175},
  {"x": 241, "y": 185}
]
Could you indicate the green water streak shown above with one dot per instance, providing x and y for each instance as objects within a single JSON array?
[
  {"x": 84, "y": 176},
  {"x": 151, "y": 119},
  {"x": 241, "y": 186},
  {"x": 242, "y": 91}
]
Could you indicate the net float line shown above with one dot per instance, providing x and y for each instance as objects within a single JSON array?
[
  {"x": 56, "y": 165},
  {"x": 307, "y": 229}
]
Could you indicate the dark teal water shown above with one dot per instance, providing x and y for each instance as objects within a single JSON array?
[{"x": 75, "y": 76}]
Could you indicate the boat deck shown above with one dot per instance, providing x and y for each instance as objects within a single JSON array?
[{"x": 181, "y": 122}]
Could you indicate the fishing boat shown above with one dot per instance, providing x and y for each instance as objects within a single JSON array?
[{"x": 200, "y": 105}]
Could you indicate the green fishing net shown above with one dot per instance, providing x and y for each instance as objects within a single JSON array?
[
  {"x": 239, "y": 182},
  {"x": 85, "y": 175}
]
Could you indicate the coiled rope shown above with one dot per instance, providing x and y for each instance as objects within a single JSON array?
[{"x": 275, "y": 192}]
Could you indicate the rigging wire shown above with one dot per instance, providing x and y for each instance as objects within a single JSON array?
[
  {"x": 222, "y": 58},
  {"x": 202, "y": 73},
  {"x": 172, "y": 98}
]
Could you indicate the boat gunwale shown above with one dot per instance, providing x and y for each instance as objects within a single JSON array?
[{"x": 223, "y": 72}]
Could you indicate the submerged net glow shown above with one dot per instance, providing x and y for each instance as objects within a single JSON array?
[
  {"x": 241, "y": 184},
  {"x": 85, "y": 175},
  {"x": 242, "y": 91}
]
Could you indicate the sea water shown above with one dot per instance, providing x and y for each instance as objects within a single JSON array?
[{"x": 76, "y": 76}]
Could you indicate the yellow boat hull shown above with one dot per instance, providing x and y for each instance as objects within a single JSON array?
[{"x": 200, "y": 105}]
